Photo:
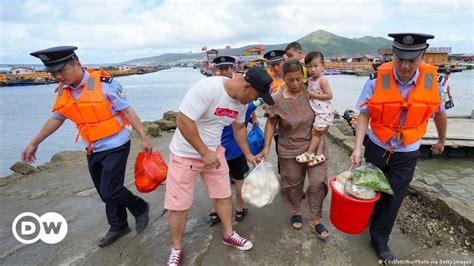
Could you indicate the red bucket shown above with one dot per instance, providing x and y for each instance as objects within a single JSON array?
[{"x": 350, "y": 215}]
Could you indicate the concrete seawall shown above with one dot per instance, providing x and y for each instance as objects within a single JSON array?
[{"x": 64, "y": 186}]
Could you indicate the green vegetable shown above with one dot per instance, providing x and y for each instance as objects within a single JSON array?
[{"x": 369, "y": 176}]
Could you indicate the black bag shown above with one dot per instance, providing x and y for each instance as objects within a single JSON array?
[{"x": 449, "y": 104}]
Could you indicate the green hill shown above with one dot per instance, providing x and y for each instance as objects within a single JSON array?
[
  {"x": 327, "y": 43},
  {"x": 330, "y": 44}
]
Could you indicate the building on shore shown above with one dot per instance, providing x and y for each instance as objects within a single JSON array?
[
  {"x": 125, "y": 67},
  {"x": 364, "y": 58},
  {"x": 22, "y": 70},
  {"x": 464, "y": 58},
  {"x": 437, "y": 56}
]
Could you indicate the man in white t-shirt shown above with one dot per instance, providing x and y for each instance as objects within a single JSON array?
[{"x": 209, "y": 106}]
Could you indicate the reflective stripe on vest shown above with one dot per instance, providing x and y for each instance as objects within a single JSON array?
[{"x": 387, "y": 105}]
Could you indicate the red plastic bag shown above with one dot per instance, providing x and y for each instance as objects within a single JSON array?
[{"x": 150, "y": 171}]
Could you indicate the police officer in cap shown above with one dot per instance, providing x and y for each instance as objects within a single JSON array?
[
  {"x": 275, "y": 63},
  {"x": 225, "y": 66},
  {"x": 96, "y": 103},
  {"x": 397, "y": 124}
]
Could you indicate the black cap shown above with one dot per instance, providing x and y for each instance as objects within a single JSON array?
[
  {"x": 376, "y": 65},
  {"x": 409, "y": 45},
  {"x": 447, "y": 71},
  {"x": 224, "y": 61},
  {"x": 261, "y": 81},
  {"x": 55, "y": 58},
  {"x": 274, "y": 56}
]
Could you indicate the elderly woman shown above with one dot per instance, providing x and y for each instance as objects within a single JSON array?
[{"x": 294, "y": 117}]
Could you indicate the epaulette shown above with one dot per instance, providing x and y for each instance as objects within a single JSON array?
[
  {"x": 106, "y": 79},
  {"x": 373, "y": 75}
]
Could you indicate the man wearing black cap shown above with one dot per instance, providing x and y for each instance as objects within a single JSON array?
[
  {"x": 96, "y": 103},
  {"x": 235, "y": 159},
  {"x": 208, "y": 106},
  {"x": 225, "y": 66},
  {"x": 397, "y": 102},
  {"x": 275, "y": 64}
]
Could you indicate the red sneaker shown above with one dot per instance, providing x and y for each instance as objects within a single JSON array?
[
  {"x": 176, "y": 257},
  {"x": 237, "y": 241}
]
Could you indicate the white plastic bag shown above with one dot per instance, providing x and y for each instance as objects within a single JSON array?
[{"x": 261, "y": 185}]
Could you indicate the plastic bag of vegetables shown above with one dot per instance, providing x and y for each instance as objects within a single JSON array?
[
  {"x": 261, "y": 185},
  {"x": 369, "y": 176}
]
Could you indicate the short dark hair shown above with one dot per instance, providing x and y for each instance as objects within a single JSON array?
[
  {"x": 293, "y": 45},
  {"x": 292, "y": 65},
  {"x": 311, "y": 55}
]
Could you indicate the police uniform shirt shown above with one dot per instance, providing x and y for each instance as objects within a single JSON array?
[
  {"x": 366, "y": 94},
  {"x": 114, "y": 93}
]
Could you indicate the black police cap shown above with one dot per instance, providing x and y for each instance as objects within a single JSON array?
[
  {"x": 274, "y": 56},
  {"x": 261, "y": 81},
  {"x": 55, "y": 58},
  {"x": 409, "y": 45},
  {"x": 224, "y": 61}
]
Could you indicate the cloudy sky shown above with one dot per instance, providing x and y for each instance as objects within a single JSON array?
[{"x": 120, "y": 30}]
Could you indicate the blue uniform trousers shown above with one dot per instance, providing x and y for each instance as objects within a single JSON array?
[
  {"x": 399, "y": 171},
  {"x": 107, "y": 169}
]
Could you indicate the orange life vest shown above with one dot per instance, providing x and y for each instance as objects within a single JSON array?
[
  {"x": 90, "y": 111},
  {"x": 276, "y": 82},
  {"x": 387, "y": 104}
]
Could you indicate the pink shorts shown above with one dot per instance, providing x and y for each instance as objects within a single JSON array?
[{"x": 182, "y": 175}]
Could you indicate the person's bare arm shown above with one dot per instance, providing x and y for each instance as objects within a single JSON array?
[
  {"x": 441, "y": 123},
  {"x": 268, "y": 135},
  {"x": 240, "y": 135},
  {"x": 327, "y": 92},
  {"x": 50, "y": 126},
  {"x": 362, "y": 126},
  {"x": 134, "y": 120},
  {"x": 190, "y": 132}
]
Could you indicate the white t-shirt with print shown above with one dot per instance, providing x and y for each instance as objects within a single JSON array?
[{"x": 209, "y": 105}]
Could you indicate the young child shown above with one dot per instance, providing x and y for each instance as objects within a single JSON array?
[{"x": 320, "y": 94}]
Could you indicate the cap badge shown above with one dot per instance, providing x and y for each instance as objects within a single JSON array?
[
  {"x": 272, "y": 53},
  {"x": 408, "y": 40},
  {"x": 43, "y": 57},
  {"x": 222, "y": 59}
]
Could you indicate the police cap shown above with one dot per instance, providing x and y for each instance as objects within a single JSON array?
[
  {"x": 409, "y": 45},
  {"x": 55, "y": 58},
  {"x": 222, "y": 61},
  {"x": 274, "y": 56}
]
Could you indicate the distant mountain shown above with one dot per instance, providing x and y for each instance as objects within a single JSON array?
[
  {"x": 329, "y": 44},
  {"x": 375, "y": 42}
]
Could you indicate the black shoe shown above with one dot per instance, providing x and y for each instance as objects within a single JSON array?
[
  {"x": 214, "y": 218},
  {"x": 240, "y": 215},
  {"x": 383, "y": 253},
  {"x": 111, "y": 237},
  {"x": 141, "y": 221}
]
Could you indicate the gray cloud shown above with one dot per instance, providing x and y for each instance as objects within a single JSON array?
[{"x": 115, "y": 31}]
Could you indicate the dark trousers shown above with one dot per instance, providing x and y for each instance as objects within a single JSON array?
[
  {"x": 399, "y": 171},
  {"x": 107, "y": 169}
]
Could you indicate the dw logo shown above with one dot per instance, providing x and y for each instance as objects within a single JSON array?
[{"x": 28, "y": 228}]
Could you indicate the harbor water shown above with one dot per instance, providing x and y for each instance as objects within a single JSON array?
[{"x": 24, "y": 109}]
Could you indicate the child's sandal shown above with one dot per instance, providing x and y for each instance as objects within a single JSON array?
[
  {"x": 319, "y": 159},
  {"x": 306, "y": 157}
]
